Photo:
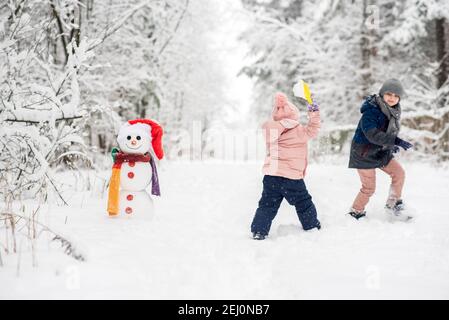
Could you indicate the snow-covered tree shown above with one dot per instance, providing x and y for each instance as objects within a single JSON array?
[
  {"x": 309, "y": 46},
  {"x": 40, "y": 100},
  {"x": 160, "y": 64},
  {"x": 346, "y": 49},
  {"x": 72, "y": 71},
  {"x": 418, "y": 43}
]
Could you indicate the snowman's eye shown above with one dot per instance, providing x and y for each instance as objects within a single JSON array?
[
  {"x": 138, "y": 138},
  {"x": 128, "y": 137}
]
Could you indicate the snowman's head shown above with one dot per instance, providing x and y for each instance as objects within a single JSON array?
[{"x": 135, "y": 138}]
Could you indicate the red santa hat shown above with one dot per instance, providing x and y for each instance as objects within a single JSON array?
[{"x": 156, "y": 135}]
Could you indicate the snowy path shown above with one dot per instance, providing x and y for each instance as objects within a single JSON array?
[{"x": 198, "y": 245}]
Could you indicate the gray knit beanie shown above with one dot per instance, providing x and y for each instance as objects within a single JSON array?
[{"x": 394, "y": 86}]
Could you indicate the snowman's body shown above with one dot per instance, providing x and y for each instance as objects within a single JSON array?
[{"x": 135, "y": 177}]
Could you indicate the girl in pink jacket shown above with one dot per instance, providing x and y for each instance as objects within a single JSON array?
[{"x": 285, "y": 166}]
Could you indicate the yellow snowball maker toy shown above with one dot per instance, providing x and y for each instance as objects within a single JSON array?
[{"x": 302, "y": 90}]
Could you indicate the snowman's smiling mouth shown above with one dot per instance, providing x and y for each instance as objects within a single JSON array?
[{"x": 138, "y": 147}]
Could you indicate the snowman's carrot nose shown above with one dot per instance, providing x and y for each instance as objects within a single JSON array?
[{"x": 134, "y": 142}]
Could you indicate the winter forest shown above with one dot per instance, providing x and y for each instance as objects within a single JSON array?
[{"x": 73, "y": 72}]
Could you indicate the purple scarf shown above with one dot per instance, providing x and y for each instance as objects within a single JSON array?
[{"x": 155, "y": 180}]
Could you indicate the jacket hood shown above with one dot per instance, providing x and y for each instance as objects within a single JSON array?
[{"x": 370, "y": 102}]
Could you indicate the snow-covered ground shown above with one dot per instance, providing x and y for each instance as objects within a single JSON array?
[{"x": 198, "y": 246}]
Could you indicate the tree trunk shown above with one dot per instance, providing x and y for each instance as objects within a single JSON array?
[
  {"x": 367, "y": 47},
  {"x": 442, "y": 43},
  {"x": 75, "y": 20},
  {"x": 101, "y": 142},
  {"x": 294, "y": 10},
  {"x": 61, "y": 31}
]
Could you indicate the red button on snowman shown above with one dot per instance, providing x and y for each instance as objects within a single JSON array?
[{"x": 140, "y": 143}]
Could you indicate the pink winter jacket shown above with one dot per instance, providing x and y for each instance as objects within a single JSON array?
[{"x": 287, "y": 142}]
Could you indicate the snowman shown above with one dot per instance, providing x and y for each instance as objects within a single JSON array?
[{"x": 134, "y": 169}]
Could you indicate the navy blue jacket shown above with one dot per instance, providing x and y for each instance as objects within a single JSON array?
[{"x": 371, "y": 146}]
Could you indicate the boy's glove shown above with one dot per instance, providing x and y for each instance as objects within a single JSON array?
[
  {"x": 289, "y": 123},
  {"x": 403, "y": 144},
  {"x": 314, "y": 106}
]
